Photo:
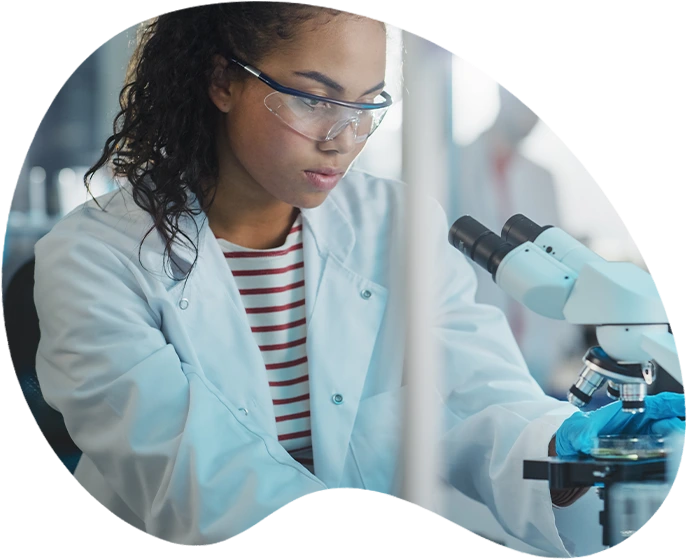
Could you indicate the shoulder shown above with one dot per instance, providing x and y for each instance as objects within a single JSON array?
[
  {"x": 112, "y": 220},
  {"x": 101, "y": 243}
]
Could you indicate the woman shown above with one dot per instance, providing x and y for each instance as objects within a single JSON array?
[{"x": 224, "y": 333}]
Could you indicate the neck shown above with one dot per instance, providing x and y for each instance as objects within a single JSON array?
[
  {"x": 248, "y": 222},
  {"x": 243, "y": 213},
  {"x": 248, "y": 216}
]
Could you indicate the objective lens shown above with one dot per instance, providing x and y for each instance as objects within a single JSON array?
[
  {"x": 478, "y": 243},
  {"x": 580, "y": 393},
  {"x": 632, "y": 396}
]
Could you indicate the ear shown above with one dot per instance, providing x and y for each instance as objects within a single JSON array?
[{"x": 219, "y": 89}]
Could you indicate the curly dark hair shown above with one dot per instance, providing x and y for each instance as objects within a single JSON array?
[{"x": 163, "y": 140}]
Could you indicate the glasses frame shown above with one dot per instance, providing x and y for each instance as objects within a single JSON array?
[{"x": 298, "y": 93}]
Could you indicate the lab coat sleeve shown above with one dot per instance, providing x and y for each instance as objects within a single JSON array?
[
  {"x": 496, "y": 414},
  {"x": 179, "y": 455}
]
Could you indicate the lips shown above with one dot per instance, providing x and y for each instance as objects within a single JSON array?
[
  {"x": 326, "y": 171},
  {"x": 324, "y": 179}
]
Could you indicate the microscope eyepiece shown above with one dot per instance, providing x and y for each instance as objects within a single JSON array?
[
  {"x": 478, "y": 243},
  {"x": 520, "y": 229}
]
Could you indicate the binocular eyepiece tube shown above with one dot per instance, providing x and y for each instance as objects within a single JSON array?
[{"x": 485, "y": 247}]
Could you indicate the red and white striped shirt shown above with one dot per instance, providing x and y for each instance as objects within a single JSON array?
[{"x": 272, "y": 287}]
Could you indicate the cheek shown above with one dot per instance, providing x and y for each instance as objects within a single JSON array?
[{"x": 262, "y": 144}]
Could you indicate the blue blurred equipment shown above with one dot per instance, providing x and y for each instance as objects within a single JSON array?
[{"x": 556, "y": 276}]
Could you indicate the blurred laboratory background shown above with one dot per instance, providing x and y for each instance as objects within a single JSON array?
[{"x": 502, "y": 160}]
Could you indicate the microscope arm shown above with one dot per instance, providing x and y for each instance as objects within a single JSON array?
[
  {"x": 622, "y": 301},
  {"x": 596, "y": 293},
  {"x": 619, "y": 298}
]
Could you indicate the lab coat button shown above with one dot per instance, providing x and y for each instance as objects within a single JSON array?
[
  {"x": 365, "y": 294},
  {"x": 337, "y": 399},
  {"x": 244, "y": 410},
  {"x": 183, "y": 304}
]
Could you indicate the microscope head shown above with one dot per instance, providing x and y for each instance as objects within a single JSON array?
[{"x": 554, "y": 275}]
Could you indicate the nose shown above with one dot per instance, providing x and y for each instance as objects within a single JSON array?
[{"x": 344, "y": 137}]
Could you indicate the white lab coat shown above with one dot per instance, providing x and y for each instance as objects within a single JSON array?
[
  {"x": 530, "y": 190},
  {"x": 163, "y": 387}
]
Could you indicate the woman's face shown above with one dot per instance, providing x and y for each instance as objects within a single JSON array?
[{"x": 271, "y": 160}]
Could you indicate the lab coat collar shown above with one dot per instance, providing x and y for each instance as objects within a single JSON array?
[
  {"x": 326, "y": 232},
  {"x": 332, "y": 232}
]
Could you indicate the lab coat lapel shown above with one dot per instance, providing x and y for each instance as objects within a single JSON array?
[
  {"x": 196, "y": 228},
  {"x": 228, "y": 354},
  {"x": 344, "y": 312}
]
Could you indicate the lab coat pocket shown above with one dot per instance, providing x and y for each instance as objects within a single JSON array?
[{"x": 376, "y": 440}]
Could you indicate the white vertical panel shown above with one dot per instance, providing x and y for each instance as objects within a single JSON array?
[{"x": 425, "y": 125}]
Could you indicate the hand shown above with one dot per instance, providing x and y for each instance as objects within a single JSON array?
[{"x": 662, "y": 416}]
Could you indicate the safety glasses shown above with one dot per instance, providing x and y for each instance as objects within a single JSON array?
[{"x": 321, "y": 118}]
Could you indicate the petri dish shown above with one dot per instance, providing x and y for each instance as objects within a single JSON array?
[{"x": 629, "y": 447}]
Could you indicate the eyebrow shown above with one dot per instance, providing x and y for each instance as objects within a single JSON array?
[{"x": 325, "y": 80}]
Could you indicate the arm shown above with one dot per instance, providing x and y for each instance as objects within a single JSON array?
[
  {"x": 498, "y": 416},
  {"x": 179, "y": 455}
]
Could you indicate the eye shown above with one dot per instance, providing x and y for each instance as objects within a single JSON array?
[
  {"x": 319, "y": 106},
  {"x": 310, "y": 103}
]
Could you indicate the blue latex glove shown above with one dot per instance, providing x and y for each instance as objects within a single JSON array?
[{"x": 662, "y": 416}]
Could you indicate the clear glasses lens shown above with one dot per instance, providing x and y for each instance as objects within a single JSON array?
[{"x": 322, "y": 121}]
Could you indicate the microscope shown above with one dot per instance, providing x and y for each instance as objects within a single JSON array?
[{"x": 554, "y": 275}]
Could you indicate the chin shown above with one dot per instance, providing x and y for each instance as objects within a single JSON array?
[{"x": 309, "y": 202}]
